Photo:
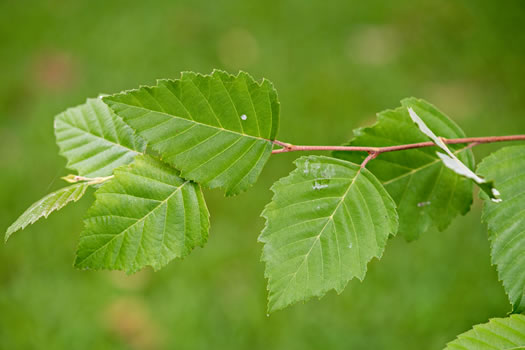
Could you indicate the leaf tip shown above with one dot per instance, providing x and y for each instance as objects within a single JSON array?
[{"x": 8, "y": 234}]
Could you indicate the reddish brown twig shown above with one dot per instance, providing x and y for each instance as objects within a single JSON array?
[{"x": 473, "y": 141}]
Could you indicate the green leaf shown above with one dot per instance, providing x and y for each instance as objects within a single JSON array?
[
  {"x": 50, "y": 203},
  {"x": 452, "y": 162},
  {"x": 426, "y": 192},
  {"x": 327, "y": 220},
  {"x": 498, "y": 334},
  {"x": 506, "y": 220},
  {"x": 94, "y": 140},
  {"x": 146, "y": 215},
  {"x": 217, "y": 129}
]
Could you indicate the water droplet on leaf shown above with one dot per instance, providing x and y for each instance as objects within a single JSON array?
[
  {"x": 306, "y": 170},
  {"x": 318, "y": 186},
  {"x": 328, "y": 171}
]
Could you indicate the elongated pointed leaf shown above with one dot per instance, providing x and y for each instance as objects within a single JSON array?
[
  {"x": 426, "y": 192},
  {"x": 94, "y": 140},
  {"x": 451, "y": 161},
  {"x": 326, "y": 221},
  {"x": 50, "y": 203},
  {"x": 146, "y": 215},
  {"x": 217, "y": 129},
  {"x": 506, "y": 220},
  {"x": 498, "y": 334}
]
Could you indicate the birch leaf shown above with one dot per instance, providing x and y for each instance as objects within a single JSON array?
[
  {"x": 217, "y": 129},
  {"x": 326, "y": 221}
]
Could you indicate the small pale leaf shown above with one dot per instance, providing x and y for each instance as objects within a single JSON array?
[
  {"x": 50, "y": 203},
  {"x": 94, "y": 140},
  {"x": 146, "y": 215},
  {"x": 498, "y": 334},
  {"x": 506, "y": 220},
  {"x": 451, "y": 161},
  {"x": 426, "y": 192},
  {"x": 326, "y": 221},
  {"x": 217, "y": 129}
]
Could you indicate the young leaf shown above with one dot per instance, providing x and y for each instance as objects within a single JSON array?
[
  {"x": 498, "y": 334},
  {"x": 426, "y": 192},
  {"x": 506, "y": 220},
  {"x": 326, "y": 221},
  {"x": 217, "y": 129},
  {"x": 146, "y": 215},
  {"x": 94, "y": 140},
  {"x": 452, "y": 162},
  {"x": 53, "y": 201}
]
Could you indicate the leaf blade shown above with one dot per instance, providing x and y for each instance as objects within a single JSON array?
[
  {"x": 499, "y": 333},
  {"x": 217, "y": 129},
  {"x": 94, "y": 140},
  {"x": 316, "y": 235},
  {"x": 506, "y": 220},
  {"x": 426, "y": 192},
  {"x": 45, "y": 206},
  {"x": 146, "y": 215}
]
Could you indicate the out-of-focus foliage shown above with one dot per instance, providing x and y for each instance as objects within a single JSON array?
[{"x": 334, "y": 64}]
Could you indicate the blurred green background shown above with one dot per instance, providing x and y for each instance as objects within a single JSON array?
[{"x": 335, "y": 64}]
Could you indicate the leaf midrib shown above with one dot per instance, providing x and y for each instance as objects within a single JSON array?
[
  {"x": 192, "y": 121},
  {"x": 330, "y": 219}
]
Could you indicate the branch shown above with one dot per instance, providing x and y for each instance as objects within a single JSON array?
[
  {"x": 371, "y": 155},
  {"x": 472, "y": 141}
]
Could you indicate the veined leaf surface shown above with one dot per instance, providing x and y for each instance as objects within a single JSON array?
[
  {"x": 50, "y": 203},
  {"x": 146, "y": 215},
  {"x": 426, "y": 192},
  {"x": 326, "y": 221},
  {"x": 506, "y": 220},
  {"x": 217, "y": 129},
  {"x": 498, "y": 334},
  {"x": 94, "y": 140}
]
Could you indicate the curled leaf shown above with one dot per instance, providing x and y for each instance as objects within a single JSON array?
[{"x": 452, "y": 162}]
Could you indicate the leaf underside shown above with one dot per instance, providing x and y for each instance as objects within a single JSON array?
[
  {"x": 45, "y": 206},
  {"x": 94, "y": 140},
  {"x": 506, "y": 220},
  {"x": 146, "y": 215},
  {"x": 498, "y": 334},
  {"x": 426, "y": 192},
  {"x": 217, "y": 129},
  {"x": 326, "y": 221}
]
